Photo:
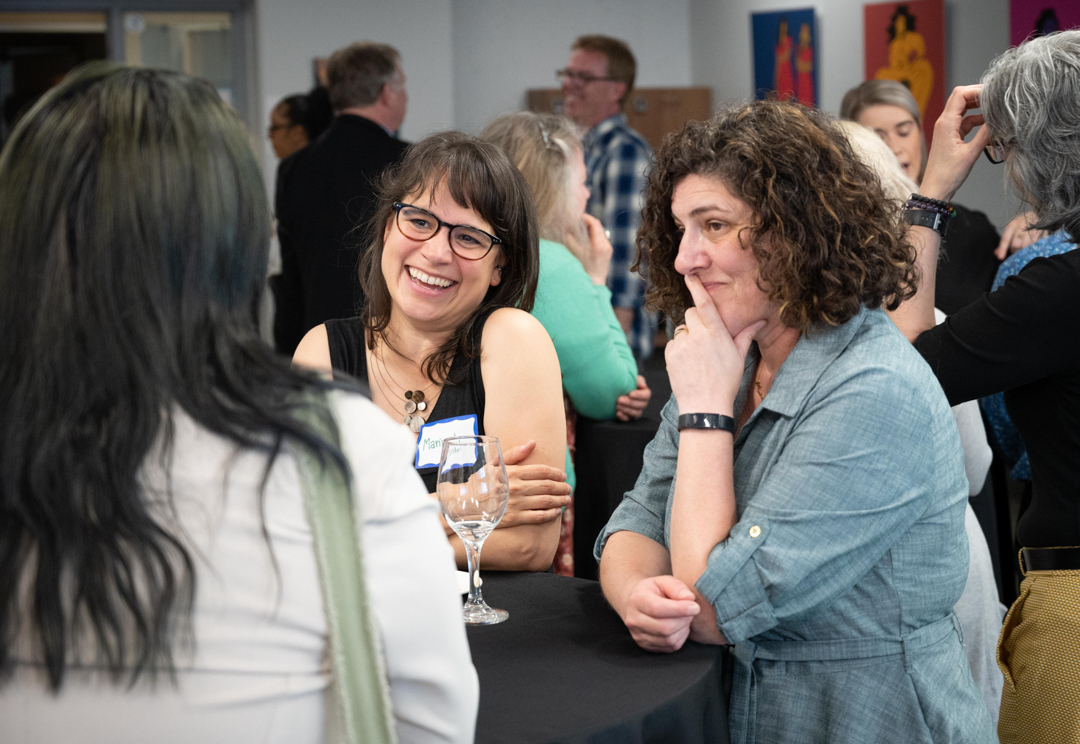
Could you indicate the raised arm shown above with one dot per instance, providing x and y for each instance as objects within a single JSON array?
[
  {"x": 706, "y": 368},
  {"x": 523, "y": 394},
  {"x": 948, "y": 166}
]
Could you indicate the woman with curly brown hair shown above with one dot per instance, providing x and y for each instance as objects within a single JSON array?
[{"x": 804, "y": 497}]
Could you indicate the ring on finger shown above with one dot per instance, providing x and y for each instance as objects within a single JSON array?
[{"x": 681, "y": 328}]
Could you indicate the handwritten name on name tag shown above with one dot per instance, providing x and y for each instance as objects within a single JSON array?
[{"x": 429, "y": 443}]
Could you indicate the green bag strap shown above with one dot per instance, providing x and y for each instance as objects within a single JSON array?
[{"x": 356, "y": 656}]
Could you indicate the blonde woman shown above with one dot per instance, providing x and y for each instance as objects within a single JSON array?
[{"x": 572, "y": 299}]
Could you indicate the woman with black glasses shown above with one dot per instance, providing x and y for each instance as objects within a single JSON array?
[{"x": 445, "y": 341}]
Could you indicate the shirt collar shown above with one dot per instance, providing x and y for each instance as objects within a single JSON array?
[{"x": 812, "y": 355}]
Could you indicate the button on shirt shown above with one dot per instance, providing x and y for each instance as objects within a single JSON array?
[
  {"x": 838, "y": 581},
  {"x": 616, "y": 162}
]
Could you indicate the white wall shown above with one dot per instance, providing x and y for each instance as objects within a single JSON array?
[
  {"x": 466, "y": 61},
  {"x": 975, "y": 31},
  {"x": 289, "y": 34},
  {"x": 504, "y": 47}
]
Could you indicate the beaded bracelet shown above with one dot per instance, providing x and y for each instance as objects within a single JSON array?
[
  {"x": 928, "y": 200},
  {"x": 918, "y": 201},
  {"x": 928, "y": 207}
]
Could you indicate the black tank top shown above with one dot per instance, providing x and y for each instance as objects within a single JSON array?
[{"x": 348, "y": 355}]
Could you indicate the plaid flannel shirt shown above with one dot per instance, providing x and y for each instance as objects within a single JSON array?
[{"x": 616, "y": 160}]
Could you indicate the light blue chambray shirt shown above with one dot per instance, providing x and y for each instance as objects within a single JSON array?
[{"x": 837, "y": 583}]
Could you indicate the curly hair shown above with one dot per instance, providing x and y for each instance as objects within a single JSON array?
[{"x": 826, "y": 238}]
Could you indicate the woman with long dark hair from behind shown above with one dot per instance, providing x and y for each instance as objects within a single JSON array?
[{"x": 158, "y": 578}]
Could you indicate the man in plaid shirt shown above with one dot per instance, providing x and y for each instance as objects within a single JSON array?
[{"x": 596, "y": 83}]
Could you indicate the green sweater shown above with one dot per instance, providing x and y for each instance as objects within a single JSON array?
[{"x": 597, "y": 364}]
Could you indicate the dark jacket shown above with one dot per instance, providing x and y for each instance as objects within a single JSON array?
[{"x": 325, "y": 196}]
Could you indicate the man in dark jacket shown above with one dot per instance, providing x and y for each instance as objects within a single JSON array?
[{"x": 327, "y": 192}]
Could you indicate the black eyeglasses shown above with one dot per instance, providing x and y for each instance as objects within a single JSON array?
[
  {"x": 995, "y": 153},
  {"x": 466, "y": 242},
  {"x": 584, "y": 78}
]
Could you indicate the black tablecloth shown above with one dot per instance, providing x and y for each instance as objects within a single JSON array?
[{"x": 564, "y": 668}]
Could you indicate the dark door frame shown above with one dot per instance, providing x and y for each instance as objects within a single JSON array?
[{"x": 245, "y": 97}]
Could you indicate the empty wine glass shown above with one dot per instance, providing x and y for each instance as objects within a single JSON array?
[{"x": 473, "y": 492}]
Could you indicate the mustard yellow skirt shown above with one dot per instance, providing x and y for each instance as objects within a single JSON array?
[{"x": 1039, "y": 654}]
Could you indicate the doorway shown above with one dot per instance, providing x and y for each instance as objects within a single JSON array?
[{"x": 37, "y": 50}]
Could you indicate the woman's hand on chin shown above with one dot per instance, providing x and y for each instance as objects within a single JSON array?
[
  {"x": 538, "y": 492},
  {"x": 705, "y": 364}
]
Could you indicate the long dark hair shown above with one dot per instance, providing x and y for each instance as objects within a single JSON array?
[
  {"x": 479, "y": 176},
  {"x": 134, "y": 232}
]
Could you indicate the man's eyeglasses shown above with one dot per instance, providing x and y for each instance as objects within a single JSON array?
[
  {"x": 995, "y": 153},
  {"x": 584, "y": 78},
  {"x": 466, "y": 242}
]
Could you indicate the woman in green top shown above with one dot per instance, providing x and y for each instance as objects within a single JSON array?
[{"x": 572, "y": 299}]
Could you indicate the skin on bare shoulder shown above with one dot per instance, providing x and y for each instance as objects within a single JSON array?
[
  {"x": 523, "y": 391},
  {"x": 523, "y": 385},
  {"x": 313, "y": 352}
]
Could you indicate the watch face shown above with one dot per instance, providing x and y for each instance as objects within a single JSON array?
[{"x": 706, "y": 421}]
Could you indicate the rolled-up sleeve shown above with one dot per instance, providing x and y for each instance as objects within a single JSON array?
[
  {"x": 861, "y": 464},
  {"x": 644, "y": 510}
]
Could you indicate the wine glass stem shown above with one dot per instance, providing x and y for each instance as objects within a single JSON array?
[{"x": 472, "y": 554}]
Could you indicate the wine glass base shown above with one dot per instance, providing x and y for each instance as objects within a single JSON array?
[{"x": 483, "y": 615}]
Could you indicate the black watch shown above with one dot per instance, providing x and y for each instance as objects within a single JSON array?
[
  {"x": 936, "y": 221},
  {"x": 707, "y": 421}
]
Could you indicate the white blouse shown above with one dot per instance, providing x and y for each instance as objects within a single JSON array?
[{"x": 259, "y": 670}]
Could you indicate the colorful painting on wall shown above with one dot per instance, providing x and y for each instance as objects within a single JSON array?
[
  {"x": 1029, "y": 18},
  {"x": 906, "y": 42},
  {"x": 785, "y": 55}
]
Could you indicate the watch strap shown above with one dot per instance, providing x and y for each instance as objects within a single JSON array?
[
  {"x": 925, "y": 218},
  {"x": 706, "y": 421}
]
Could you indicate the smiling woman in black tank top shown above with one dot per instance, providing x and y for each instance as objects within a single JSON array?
[{"x": 445, "y": 343}]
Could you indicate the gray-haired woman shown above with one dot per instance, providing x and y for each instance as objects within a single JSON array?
[{"x": 1022, "y": 340}]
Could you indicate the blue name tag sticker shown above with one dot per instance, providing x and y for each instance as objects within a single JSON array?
[{"x": 429, "y": 443}]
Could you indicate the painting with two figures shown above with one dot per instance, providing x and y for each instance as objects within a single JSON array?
[{"x": 785, "y": 55}]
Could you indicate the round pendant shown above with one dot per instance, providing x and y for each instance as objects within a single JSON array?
[
  {"x": 415, "y": 424},
  {"x": 407, "y": 420},
  {"x": 410, "y": 406},
  {"x": 418, "y": 396},
  {"x": 421, "y": 406},
  {"x": 408, "y": 395}
]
